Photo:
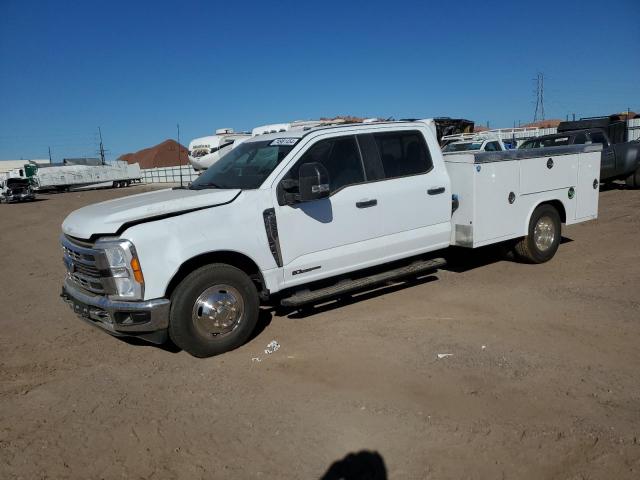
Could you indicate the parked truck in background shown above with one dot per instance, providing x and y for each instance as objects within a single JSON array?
[
  {"x": 297, "y": 217},
  {"x": 471, "y": 142},
  {"x": 14, "y": 189},
  {"x": 620, "y": 158}
]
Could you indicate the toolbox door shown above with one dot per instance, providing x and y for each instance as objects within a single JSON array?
[
  {"x": 588, "y": 188},
  {"x": 542, "y": 174}
]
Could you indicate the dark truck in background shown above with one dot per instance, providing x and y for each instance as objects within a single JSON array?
[{"x": 620, "y": 158}]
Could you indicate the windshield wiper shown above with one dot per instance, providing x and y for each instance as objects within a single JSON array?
[{"x": 206, "y": 185}]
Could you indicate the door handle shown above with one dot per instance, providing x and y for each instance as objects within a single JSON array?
[
  {"x": 366, "y": 203},
  {"x": 435, "y": 191}
]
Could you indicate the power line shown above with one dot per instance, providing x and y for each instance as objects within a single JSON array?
[{"x": 179, "y": 157}]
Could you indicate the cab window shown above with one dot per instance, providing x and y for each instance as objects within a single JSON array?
[
  {"x": 492, "y": 147},
  {"x": 580, "y": 139},
  {"x": 403, "y": 153},
  {"x": 598, "y": 137},
  {"x": 340, "y": 156}
]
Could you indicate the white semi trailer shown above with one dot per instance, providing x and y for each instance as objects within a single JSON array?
[{"x": 60, "y": 178}]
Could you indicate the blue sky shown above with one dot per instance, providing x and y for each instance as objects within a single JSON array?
[{"x": 137, "y": 68}]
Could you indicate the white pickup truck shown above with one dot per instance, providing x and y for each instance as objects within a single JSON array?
[
  {"x": 471, "y": 142},
  {"x": 301, "y": 216}
]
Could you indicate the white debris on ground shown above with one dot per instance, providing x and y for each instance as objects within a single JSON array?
[
  {"x": 444, "y": 355},
  {"x": 256, "y": 359},
  {"x": 272, "y": 346},
  {"x": 484, "y": 347}
]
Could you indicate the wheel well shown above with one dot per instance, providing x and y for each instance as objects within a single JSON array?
[
  {"x": 557, "y": 204},
  {"x": 234, "y": 259}
]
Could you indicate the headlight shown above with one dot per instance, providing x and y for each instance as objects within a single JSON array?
[{"x": 125, "y": 277}]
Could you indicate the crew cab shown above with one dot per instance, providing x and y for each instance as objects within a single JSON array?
[
  {"x": 620, "y": 161},
  {"x": 297, "y": 217}
]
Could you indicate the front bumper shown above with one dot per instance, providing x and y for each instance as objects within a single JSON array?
[
  {"x": 147, "y": 319},
  {"x": 20, "y": 197}
]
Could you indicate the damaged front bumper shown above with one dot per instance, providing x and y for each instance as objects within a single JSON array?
[
  {"x": 19, "y": 197},
  {"x": 147, "y": 319}
]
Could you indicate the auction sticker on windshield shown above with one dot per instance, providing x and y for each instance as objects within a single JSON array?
[{"x": 284, "y": 141}]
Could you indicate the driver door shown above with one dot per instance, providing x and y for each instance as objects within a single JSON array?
[{"x": 332, "y": 235}]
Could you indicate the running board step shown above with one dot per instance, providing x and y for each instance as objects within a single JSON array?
[{"x": 346, "y": 286}]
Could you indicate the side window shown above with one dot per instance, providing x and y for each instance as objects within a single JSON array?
[
  {"x": 403, "y": 153},
  {"x": 580, "y": 139},
  {"x": 598, "y": 137},
  {"x": 340, "y": 156},
  {"x": 492, "y": 147}
]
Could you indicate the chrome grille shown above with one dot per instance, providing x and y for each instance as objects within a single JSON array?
[{"x": 82, "y": 265}]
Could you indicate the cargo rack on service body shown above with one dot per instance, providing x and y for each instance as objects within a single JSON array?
[{"x": 493, "y": 189}]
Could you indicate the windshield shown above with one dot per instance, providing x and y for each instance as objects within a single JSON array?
[
  {"x": 462, "y": 147},
  {"x": 246, "y": 166}
]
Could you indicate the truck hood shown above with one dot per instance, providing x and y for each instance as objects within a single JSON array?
[{"x": 108, "y": 217}]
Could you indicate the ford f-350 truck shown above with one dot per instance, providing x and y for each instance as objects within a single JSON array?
[{"x": 301, "y": 216}]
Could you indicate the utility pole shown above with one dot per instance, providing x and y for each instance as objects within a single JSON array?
[
  {"x": 101, "y": 148},
  {"x": 50, "y": 155},
  {"x": 179, "y": 157}
]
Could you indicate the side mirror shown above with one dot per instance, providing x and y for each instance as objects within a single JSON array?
[{"x": 313, "y": 181}]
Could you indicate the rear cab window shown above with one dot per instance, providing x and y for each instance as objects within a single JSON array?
[{"x": 401, "y": 154}]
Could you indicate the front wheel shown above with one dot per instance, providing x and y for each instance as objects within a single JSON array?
[
  {"x": 543, "y": 237},
  {"x": 213, "y": 310}
]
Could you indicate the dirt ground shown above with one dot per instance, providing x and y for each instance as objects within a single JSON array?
[{"x": 543, "y": 381}]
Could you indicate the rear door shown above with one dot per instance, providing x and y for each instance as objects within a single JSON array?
[{"x": 413, "y": 197}]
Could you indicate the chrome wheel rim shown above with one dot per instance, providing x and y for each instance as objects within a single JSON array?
[
  {"x": 218, "y": 310},
  {"x": 544, "y": 233}
]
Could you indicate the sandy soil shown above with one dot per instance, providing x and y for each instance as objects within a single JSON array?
[{"x": 543, "y": 381}]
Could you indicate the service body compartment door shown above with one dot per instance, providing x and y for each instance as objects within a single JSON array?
[
  {"x": 588, "y": 189},
  {"x": 543, "y": 174},
  {"x": 496, "y": 216}
]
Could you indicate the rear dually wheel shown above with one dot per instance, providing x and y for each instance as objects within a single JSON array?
[{"x": 543, "y": 237}]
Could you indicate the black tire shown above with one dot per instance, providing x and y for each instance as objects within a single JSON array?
[
  {"x": 526, "y": 249},
  {"x": 183, "y": 328},
  {"x": 633, "y": 180}
]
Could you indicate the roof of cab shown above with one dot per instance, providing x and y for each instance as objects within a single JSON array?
[
  {"x": 567, "y": 133},
  {"x": 302, "y": 132}
]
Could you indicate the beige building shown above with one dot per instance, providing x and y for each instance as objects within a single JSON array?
[{"x": 8, "y": 165}]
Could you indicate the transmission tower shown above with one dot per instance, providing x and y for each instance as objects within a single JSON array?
[{"x": 539, "y": 111}]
